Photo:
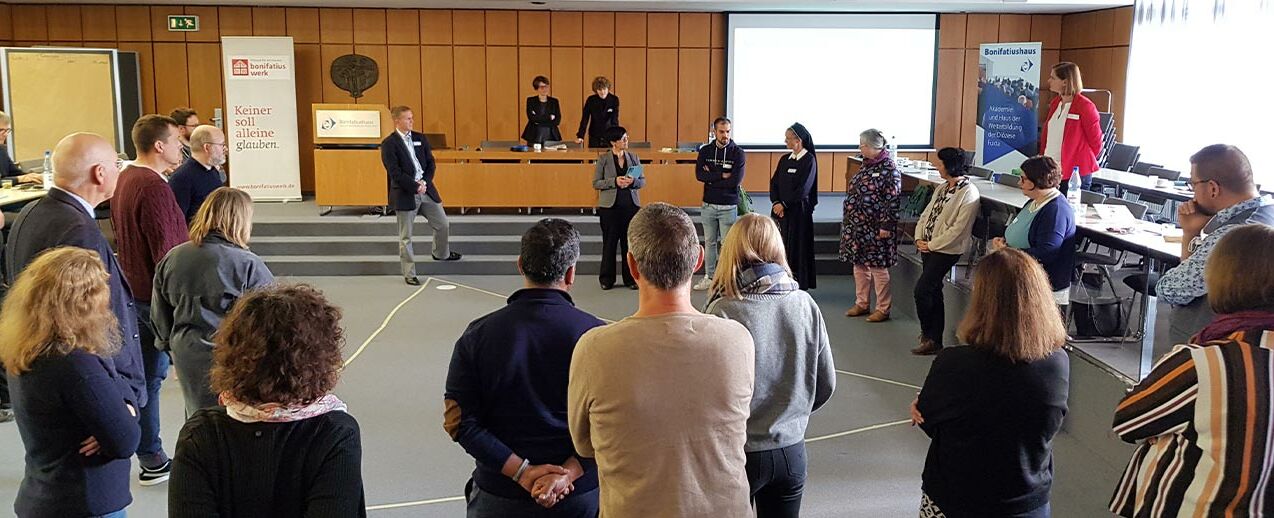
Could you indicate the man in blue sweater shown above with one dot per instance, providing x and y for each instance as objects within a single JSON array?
[
  {"x": 200, "y": 174},
  {"x": 720, "y": 168},
  {"x": 506, "y": 390}
]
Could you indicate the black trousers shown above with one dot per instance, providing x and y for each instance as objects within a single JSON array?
[
  {"x": 928, "y": 292},
  {"x": 777, "y": 480},
  {"x": 615, "y": 235}
]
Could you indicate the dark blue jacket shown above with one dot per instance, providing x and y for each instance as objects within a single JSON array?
[
  {"x": 59, "y": 220},
  {"x": 402, "y": 173},
  {"x": 1052, "y": 239},
  {"x": 58, "y": 403},
  {"x": 191, "y": 184},
  {"x": 506, "y": 387},
  {"x": 8, "y": 169},
  {"x": 712, "y": 162}
]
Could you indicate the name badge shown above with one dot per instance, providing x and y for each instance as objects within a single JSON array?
[
  {"x": 727, "y": 166},
  {"x": 608, "y": 110},
  {"x": 417, "y": 144},
  {"x": 792, "y": 170},
  {"x": 875, "y": 175},
  {"x": 1072, "y": 116}
]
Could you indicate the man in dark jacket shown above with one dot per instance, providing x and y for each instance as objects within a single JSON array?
[
  {"x": 410, "y": 165},
  {"x": 720, "y": 168}
]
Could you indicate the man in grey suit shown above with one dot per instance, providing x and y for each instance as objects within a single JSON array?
[{"x": 410, "y": 165}]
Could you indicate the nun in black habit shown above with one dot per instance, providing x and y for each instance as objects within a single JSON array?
[{"x": 793, "y": 193}]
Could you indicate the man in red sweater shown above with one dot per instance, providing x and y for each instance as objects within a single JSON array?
[{"x": 148, "y": 223}]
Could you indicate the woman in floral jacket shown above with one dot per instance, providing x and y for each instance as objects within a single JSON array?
[{"x": 869, "y": 231}]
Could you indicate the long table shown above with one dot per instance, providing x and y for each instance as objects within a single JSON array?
[
  {"x": 1143, "y": 185},
  {"x": 14, "y": 195}
]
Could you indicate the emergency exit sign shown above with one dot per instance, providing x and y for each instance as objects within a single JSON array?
[{"x": 183, "y": 23}]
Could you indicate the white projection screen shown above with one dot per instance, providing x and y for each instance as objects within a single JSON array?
[{"x": 836, "y": 73}]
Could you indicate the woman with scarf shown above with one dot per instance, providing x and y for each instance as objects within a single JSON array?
[
  {"x": 943, "y": 233},
  {"x": 794, "y": 193},
  {"x": 869, "y": 230},
  {"x": 282, "y": 444},
  {"x": 795, "y": 374},
  {"x": 1201, "y": 419}
]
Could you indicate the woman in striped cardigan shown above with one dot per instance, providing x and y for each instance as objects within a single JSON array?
[{"x": 1201, "y": 419}]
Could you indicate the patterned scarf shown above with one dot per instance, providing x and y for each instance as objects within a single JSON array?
[
  {"x": 881, "y": 158},
  {"x": 947, "y": 194},
  {"x": 276, "y": 413},
  {"x": 766, "y": 279},
  {"x": 1225, "y": 325}
]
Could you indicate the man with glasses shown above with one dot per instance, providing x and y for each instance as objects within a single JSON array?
[
  {"x": 187, "y": 122},
  {"x": 200, "y": 174},
  {"x": 8, "y": 168}
]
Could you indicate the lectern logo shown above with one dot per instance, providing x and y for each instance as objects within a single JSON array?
[
  {"x": 239, "y": 67},
  {"x": 328, "y": 123}
]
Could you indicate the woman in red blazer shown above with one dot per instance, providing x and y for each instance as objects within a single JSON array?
[{"x": 1074, "y": 124}]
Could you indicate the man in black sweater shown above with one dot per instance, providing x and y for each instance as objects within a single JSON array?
[
  {"x": 506, "y": 390},
  {"x": 720, "y": 168}
]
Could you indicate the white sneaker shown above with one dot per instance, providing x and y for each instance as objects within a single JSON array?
[{"x": 703, "y": 284}]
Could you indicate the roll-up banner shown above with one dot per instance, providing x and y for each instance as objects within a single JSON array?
[
  {"x": 1008, "y": 103},
  {"x": 261, "y": 132}
]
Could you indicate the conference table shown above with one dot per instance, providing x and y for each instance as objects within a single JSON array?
[
  {"x": 14, "y": 195},
  {"x": 1143, "y": 185}
]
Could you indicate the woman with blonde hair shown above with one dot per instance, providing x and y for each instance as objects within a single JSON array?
[
  {"x": 992, "y": 407},
  {"x": 795, "y": 374},
  {"x": 198, "y": 282},
  {"x": 78, "y": 427}
]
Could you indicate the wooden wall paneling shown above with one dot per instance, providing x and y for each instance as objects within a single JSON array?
[
  {"x": 756, "y": 178},
  {"x": 718, "y": 31},
  {"x": 662, "y": 30},
  {"x": 204, "y": 64},
  {"x": 97, "y": 23},
  {"x": 1077, "y": 30},
  {"x": 716, "y": 85},
  {"x": 6, "y": 29},
  {"x": 30, "y": 22},
  {"x": 630, "y": 85},
  {"x": 840, "y": 165},
  {"x": 1015, "y": 28},
  {"x": 336, "y": 26},
  {"x": 269, "y": 21},
  {"x": 403, "y": 67},
  {"x": 64, "y": 23},
  {"x": 969, "y": 107},
  {"x": 1103, "y": 34},
  {"x": 630, "y": 29},
  {"x": 132, "y": 23},
  {"x": 537, "y": 61},
  {"x": 826, "y": 171},
  {"x": 695, "y": 30},
  {"x": 471, "y": 94},
  {"x": 303, "y": 24},
  {"x": 331, "y": 93},
  {"x": 146, "y": 66},
  {"x": 469, "y": 27},
  {"x": 369, "y": 26},
  {"x": 694, "y": 70},
  {"x": 951, "y": 30},
  {"x": 981, "y": 28},
  {"x": 435, "y": 27},
  {"x": 502, "y": 27},
  {"x": 950, "y": 107},
  {"x": 378, "y": 93},
  {"x": 597, "y": 62},
  {"x": 533, "y": 28},
  {"x": 171, "y": 72},
  {"x": 599, "y": 29},
  {"x": 209, "y": 24},
  {"x": 661, "y": 97},
  {"x": 1121, "y": 32},
  {"x": 402, "y": 27},
  {"x": 567, "y": 67},
  {"x": 502, "y": 94},
  {"x": 1047, "y": 29},
  {"x": 159, "y": 23},
  {"x": 437, "y": 110},
  {"x": 235, "y": 21},
  {"x": 309, "y": 90},
  {"x": 568, "y": 29}
]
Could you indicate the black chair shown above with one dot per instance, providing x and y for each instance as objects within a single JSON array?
[
  {"x": 1091, "y": 198},
  {"x": 1009, "y": 180},
  {"x": 1138, "y": 209},
  {"x": 969, "y": 156},
  {"x": 980, "y": 172},
  {"x": 1122, "y": 157},
  {"x": 1168, "y": 174},
  {"x": 1143, "y": 168},
  {"x": 1106, "y": 259}
]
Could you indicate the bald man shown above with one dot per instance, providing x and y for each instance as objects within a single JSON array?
[
  {"x": 85, "y": 172},
  {"x": 201, "y": 173}
]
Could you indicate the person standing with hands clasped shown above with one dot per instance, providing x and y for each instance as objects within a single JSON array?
[
  {"x": 793, "y": 193},
  {"x": 869, "y": 231},
  {"x": 617, "y": 179},
  {"x": 720, "y": 168}
]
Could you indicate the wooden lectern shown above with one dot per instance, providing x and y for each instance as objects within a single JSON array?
[{"x": 347, "y": 166}]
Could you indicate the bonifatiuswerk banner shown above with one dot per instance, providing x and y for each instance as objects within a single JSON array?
[{"x": 261, "y": 132}]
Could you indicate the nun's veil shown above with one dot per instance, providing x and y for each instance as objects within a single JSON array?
[{"x": 806, "y": 140}]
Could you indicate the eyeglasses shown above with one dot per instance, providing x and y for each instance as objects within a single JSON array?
[
  {"x": 6, "y": 130},
  {"x": 1193, "y": 182},
  {"x": 222, "y": 144}
]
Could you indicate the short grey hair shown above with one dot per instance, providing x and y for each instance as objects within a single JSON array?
[
  {"x": 549, "y": 249},
  {"x": 204, "y": 134},
  {"x": 873, "y": 138},
  {"x": 665, "y": 245},
  {"x": 4, "y": 118}
]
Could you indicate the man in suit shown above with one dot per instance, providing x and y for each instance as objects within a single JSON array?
[
  {"x": 8, "y": 168},
  {"x": 410, "y": 165},
  {"x": 86, "y": 170}
]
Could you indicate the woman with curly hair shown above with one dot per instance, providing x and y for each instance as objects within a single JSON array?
[{"x": 282, "y": 445}]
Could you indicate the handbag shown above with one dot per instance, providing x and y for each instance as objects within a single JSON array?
[{"x": 745, "y": 202}]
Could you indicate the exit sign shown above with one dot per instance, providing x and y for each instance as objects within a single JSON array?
[{"x": 183, "y": 23}]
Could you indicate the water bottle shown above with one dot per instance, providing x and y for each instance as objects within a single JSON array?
[
  {"x": 1072, "y": 190},
  {"x": 48, "y": 170}
]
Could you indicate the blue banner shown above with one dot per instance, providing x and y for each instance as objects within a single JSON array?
[{"x": 1008, "y": 104}]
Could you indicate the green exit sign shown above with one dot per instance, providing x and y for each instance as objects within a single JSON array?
[{"x": 183, "y": 23}]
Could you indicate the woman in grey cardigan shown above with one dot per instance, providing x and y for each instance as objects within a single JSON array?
[
  {"x": 942, "y": 236},
  {"x": 198, "y": 282},
  {"x": 795, "y": 374},
  {"x": 617, "y": 178}
]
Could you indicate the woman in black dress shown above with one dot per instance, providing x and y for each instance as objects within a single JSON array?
[
  {"x": 601, "y": 112},
  {"x": 793, "y": 194},
  {"x": 543, "y": 114}
]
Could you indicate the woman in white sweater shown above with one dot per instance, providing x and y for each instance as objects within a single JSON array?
[
  {"x": 943, "y": 234},
  {"x": 794, "y": 371}
]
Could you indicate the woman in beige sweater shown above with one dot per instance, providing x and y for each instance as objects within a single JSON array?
[{"x": 943, "y": 234}]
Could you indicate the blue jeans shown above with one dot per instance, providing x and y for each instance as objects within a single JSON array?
[
  {"x": 482, "y": 504},
  {"x": 777, "y": 481},
  {"x": 150, "y": 450},
  {"x": 717, "y": 220}
]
